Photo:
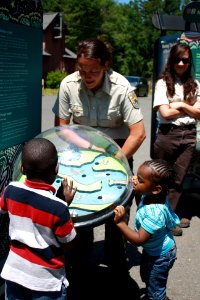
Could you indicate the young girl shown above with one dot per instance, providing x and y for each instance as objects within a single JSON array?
[{"x": 153, "y": 223}]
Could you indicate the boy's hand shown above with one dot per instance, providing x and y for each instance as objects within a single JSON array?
[
  {"x": 119, "y": 214},
  {"x": 68, "y": 190}
]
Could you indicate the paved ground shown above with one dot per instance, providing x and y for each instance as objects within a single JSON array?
[{"x": 184, "y": 278}]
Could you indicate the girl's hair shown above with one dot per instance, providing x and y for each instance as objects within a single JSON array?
[
  {"x": 169, "y": 75},
  {"x": 95, "y": 48},
  {"x": 162, "y": 173}
]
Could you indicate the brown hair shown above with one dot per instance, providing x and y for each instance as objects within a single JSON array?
[
  {"x": 189, "y": 84},
  {"x": 95, "y": 48}
]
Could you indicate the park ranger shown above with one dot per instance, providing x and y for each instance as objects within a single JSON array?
[{"x": 99, "y": 97}]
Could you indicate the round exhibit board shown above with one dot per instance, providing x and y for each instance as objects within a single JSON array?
[{"x": 98, "y": 168}]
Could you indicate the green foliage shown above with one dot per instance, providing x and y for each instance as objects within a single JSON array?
[
  {"x": 50, "y": 5},
  {"x": 54, "y": 78},
  {"x": 127, "y": 27}
]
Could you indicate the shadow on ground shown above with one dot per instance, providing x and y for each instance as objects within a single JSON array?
[{"x": 97, "y": 281}]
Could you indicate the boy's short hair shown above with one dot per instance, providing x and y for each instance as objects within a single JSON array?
[{"x": 39, "y": 156}]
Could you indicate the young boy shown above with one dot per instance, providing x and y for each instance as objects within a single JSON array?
[{"x": 40, "y": 225}]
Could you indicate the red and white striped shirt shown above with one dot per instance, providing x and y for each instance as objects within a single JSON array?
[{"x": 39, "y": 224}]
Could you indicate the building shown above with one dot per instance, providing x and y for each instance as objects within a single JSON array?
[{"x": 55, "y": 55}]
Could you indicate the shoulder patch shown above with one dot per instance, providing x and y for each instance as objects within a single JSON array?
[{"x": 133, "y": 99}]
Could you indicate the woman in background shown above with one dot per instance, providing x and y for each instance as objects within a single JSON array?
[{"x": 177, "y": 101}]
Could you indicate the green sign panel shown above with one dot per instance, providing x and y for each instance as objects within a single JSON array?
[
  {"x": 20, "y": 82},
  {"x": 193, "y": 40}
]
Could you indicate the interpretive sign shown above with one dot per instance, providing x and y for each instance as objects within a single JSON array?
[{"x": 20, "y": 81}]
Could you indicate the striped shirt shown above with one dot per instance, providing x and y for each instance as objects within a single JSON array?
[
  {"x": 39, "y": 224},
  {"x": 157, "y": 220}
]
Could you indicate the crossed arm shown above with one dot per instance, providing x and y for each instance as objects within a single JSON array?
[{"x": 179, "y": 109}]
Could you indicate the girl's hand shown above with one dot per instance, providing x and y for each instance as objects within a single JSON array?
[
  {"x": 119, "y": 214},
  {"x": 68, "y": 190},
  {"x": 134, "y": 180}
]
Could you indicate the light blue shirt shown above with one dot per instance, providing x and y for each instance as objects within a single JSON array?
[{"x": 158, "y": 220}]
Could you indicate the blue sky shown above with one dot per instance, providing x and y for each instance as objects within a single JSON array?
[{"x": 123, "y": 1}]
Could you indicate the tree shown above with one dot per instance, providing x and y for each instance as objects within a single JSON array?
[{"x": 127, "y": 27}]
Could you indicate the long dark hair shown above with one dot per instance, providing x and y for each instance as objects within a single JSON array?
[{"x": 169, "y": 75}]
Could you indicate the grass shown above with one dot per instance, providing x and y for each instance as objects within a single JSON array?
[
  {"x": 53, "y": 92},
  {"x": 49, "y": 92}
]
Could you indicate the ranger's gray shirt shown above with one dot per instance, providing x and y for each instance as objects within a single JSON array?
[{"x": 111, "y": 109}]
